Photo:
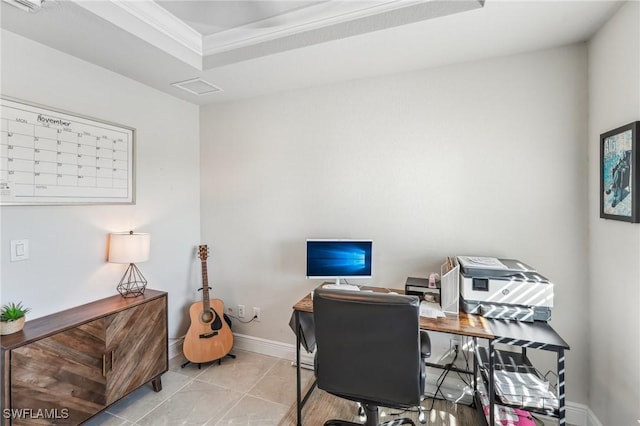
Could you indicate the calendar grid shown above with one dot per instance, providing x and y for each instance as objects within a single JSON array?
[{"x": 49, "y": 156}]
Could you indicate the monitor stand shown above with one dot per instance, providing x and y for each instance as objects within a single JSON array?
[
  {"x": 337, "y": 286},
  {"x": 335, "y": 283}
]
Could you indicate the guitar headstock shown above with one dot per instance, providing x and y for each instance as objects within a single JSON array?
[{"x": 203, "y": 252}]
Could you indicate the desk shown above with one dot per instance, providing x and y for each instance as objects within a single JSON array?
[
  {"x": 462, "y": 324},
  {"x": 536, "y": 335}
]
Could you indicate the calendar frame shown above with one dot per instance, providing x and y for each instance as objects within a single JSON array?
[{"x": 122, "y": 193}]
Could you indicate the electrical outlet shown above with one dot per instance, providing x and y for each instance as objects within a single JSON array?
[
  {"x": 240, "y": 311},
  {"x": 256, "y": 313},
  {"x": 453, "y": 343}
]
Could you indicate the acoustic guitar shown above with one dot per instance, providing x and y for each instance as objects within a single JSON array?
[{"x": 209, "y": 336}]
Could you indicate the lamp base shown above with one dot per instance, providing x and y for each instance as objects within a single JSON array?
[{"x": 132, "y": 283}]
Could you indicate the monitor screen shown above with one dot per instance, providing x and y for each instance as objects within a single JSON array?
[{"x": 335, "y": 259}]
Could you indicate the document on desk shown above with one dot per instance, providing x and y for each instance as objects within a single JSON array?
[{"x": 430, "y": 310}]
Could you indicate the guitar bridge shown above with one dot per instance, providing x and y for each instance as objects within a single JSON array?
[{"x": 208, "y": 335}]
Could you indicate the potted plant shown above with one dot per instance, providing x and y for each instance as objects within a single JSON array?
[{"x": 12, "y": 318}]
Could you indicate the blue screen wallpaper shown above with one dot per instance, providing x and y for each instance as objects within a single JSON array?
[{"x": 338, "y": 258}]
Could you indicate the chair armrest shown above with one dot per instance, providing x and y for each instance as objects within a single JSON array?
[{"x": 425, "y": 344}]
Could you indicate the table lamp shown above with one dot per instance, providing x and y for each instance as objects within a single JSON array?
[{"x": 130, "y": 248}]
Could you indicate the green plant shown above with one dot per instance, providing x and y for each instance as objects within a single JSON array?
[{"x": 12, "y": 311}]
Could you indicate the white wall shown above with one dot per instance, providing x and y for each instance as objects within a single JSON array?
[
  {"x": 68, "y": 243},
  {"x": 483, "y": 158},
  {"x": 614, "y": 247}
]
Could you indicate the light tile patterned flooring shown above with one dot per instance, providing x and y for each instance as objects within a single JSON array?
[{"x": 251, "y": 390}]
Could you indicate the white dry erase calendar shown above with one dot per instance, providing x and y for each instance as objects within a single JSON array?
[{"x": 49, "y": 156}]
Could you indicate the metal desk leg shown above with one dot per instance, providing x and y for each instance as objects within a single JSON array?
[
  {"x": 561, "y": 411},
  {"x": 300, "y": 401},
  {"x": 298, "y": 379},
  {"x": 491, "y": 384},
  {"x": 475, "y": 369}
]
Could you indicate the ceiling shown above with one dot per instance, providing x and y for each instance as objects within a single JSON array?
[{"x": 247, "y": 48}]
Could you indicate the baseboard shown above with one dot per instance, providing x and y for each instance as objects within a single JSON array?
[
  {"x": 264, "y": 346},
  {"x": 593, "y": 420},
  {"x": 247, "y": 343},
  {"x": 175, "y": 347},
  {"x": 581, "y": 415}
]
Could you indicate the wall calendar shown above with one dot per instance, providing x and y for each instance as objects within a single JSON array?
[{"x": 54, "y": 157}]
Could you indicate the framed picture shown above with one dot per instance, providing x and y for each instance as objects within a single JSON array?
[{"x": 619, "y": 194}]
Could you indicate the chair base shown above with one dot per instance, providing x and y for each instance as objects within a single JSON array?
[
  {"x": 395, "y": 422},
  {"x": 371, "y": 413}
]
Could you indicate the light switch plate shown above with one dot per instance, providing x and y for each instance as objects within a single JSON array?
[{"x": 19, "y": 250}]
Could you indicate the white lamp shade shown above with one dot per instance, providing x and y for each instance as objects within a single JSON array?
[{"x": 129, "y": 247}]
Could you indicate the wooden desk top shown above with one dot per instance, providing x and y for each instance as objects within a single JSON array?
[{"x": 463, "y": 324}]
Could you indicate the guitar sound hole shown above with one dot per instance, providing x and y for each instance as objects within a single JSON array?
[{"x": 206, "y": 316}]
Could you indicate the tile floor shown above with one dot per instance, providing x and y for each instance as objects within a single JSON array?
[{"x": 252, "y": 390}]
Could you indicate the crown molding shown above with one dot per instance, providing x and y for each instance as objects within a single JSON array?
[
  {"x": 302, "y": 20},
  {"x": 159, "y": 27},
  {"x": 163, "y": 21},
  {"x": 153, "y": 24}
]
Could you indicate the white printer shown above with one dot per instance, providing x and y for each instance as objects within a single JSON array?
[{"x": 504, "y": 288}]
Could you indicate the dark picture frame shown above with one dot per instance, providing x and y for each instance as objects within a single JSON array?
[{"x": 619, "y": 194}]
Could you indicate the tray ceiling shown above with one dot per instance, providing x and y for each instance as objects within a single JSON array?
[{"x": 248, "y": 48}]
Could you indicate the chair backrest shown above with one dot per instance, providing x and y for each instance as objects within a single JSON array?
[{"x": 368, "y": 346}]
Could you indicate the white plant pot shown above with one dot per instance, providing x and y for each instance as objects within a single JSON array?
[{"x": 10, "y": 327}]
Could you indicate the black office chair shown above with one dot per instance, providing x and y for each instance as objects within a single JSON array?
[{"x": 370, "y": 349}]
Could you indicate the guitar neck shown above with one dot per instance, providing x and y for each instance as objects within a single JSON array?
[{"x": 205, "y": 285}]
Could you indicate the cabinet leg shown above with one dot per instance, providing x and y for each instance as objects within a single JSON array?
[{"x": 157, "y": 384}]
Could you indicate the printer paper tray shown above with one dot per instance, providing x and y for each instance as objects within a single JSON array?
[{"x": 506, "y": 311}]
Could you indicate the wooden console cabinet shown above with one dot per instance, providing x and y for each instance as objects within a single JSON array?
[{"x": 66, "y": 367}]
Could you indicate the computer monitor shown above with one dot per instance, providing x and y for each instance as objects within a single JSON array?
[{"x": 338, "y": 259}]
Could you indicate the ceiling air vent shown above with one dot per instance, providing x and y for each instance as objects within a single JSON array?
[{"x": 197, "y": 86}]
